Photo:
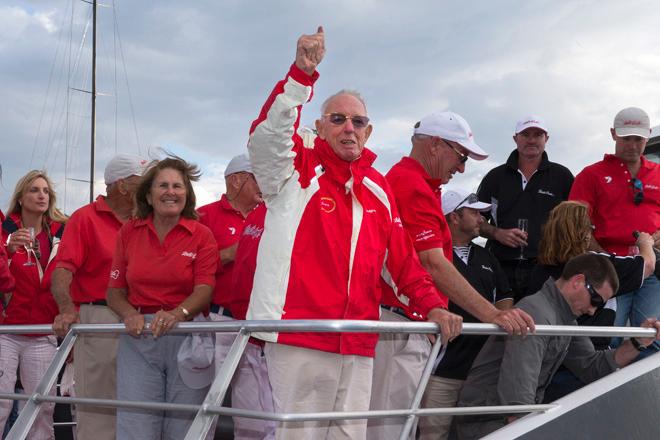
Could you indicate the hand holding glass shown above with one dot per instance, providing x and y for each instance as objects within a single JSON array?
[
  {"x": 523, "y": 225},
  {"x": 28, "y": 247}
]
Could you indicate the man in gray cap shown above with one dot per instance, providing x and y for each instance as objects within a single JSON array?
[
  {"x": 623, "y": 192},
  {"x": 226, "y": 219},
  {"x": 441, "y": 145},
  {"x": 79, "y": 285}
]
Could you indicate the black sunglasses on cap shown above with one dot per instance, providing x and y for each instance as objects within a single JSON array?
[
  {"x": 340, "y": 119},
  {"x": 469, "y": 200},
  {"x": 594, "y": 297}
]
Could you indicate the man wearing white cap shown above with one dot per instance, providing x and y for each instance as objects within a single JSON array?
[
  {"x": 526, "y": 187},
  {"x": 623, "y": 192},
  {"x": 481, "y": 269},
  {"x": 441, "y": 146},
  {"x": 79, "y": 285},
  {"x": 226, "y": 219}
]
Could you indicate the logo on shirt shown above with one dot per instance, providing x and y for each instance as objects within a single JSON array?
[
  {"x": 424, "y": 235},
  {"x": 328, "y": 204},
  {"x": 371, "y": 211},
  {"x": 253, "y": 231},
  {"x": 114, "y": 274},
  {"x": 546, "y": 192},
  {"x": 488, "y": 268},
  {"x": 397, "y": 222},
  {"x": 649, "y": 186},
  {"x": 192, "y": 255},
  {"x": 608, "y": 179},
  {"x": 232, "y": 230}
]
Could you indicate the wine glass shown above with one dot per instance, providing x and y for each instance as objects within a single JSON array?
[
  {"x": 523, "y": 225},
  {"x": 28, "y": 247}
]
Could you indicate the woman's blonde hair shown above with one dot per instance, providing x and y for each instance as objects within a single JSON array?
[
  {"x": 566, "y": 233},
  {"x": 22, "y": 187}
]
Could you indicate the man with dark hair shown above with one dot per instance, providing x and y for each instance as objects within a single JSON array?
[
  {"x": 527, "y": 187},
  {"x": 481, "y": 269},
  {"x": 623, "y": 194},
  {"x": 512, "y": 370}
]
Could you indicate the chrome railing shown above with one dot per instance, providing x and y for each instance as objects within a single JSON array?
[{"x": 211, "y": 407}]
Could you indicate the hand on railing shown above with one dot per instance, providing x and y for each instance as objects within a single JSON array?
[
  {"x": 450, "y": 324},
  {"x": 514, "y": 321},
  {"x": 62, "y": 322}
]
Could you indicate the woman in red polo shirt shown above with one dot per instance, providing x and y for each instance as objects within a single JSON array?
[
  {"x": 163, "y": 273},
  {"x": 32, "y": 231}
]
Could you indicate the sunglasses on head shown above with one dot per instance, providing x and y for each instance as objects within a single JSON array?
[
  {"x": 340, "y": 119},
  {"x": 461, "y": 157},
  {"x": 594, "y": 297},
  {"x": 469, "y": 200},
  {"x": 638, "y": 191}
]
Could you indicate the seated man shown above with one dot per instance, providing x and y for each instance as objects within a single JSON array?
[
  {"x": 483, "y": 272},
  {"x": 512, "y": 370}
]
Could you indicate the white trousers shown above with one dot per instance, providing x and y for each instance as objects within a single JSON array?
[
  {"x": 32, "y": 355},
  {"x": 305, "y": 380},
  {"x": 250, "y": 387}
]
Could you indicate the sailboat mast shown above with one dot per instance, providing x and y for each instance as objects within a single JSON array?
[{"x": 93, "y": 128}]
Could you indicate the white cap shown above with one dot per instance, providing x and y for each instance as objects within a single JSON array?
[
  {"x": 456, "y": 199},
  {"x": 239, "y": 164},
  {"x": 196, "y": 358},
  {"x": 122, "y": 166},
  {"x": 452, "y": 127},
  {"x": 632, "y": 121},
  {"x": 529, "y": 122}
]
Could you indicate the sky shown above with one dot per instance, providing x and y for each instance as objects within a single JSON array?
[{"x": 190, "y": 77}]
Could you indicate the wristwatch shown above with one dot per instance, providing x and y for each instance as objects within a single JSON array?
[{"x": 637, "y": 345}]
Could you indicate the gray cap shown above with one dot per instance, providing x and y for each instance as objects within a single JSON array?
[
  {"x": 632, "y": 121},
  {"x": 239, "y": 164},
  {"x": 123, "y": 165}
]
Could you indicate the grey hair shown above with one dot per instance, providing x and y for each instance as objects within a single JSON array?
[{"x": 350, "y": 92}]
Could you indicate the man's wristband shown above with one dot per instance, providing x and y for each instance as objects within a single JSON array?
[
  {"x": 185, "y": 312},
  {"x": 639, "y": 347}
]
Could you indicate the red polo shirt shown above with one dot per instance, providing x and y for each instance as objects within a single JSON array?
[
  {"x": 606, "y": 187},
  {"x": 246, "y": 262},
  {"x": 419, "y": 201},
  {"x": 86, "y": 250},
  {"x": 163, "y": 274},
  {"x": 226, "y": 224}
]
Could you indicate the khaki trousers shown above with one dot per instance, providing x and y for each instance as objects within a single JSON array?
[
  {"x": 398, "y": 367},
  {"x": 441, "y": 392},
  {"x": 95, "y": 375},
  {"x": 305, "y": 380}
]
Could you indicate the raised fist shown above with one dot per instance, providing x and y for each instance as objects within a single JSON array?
[{"x": 310, "y": 51}]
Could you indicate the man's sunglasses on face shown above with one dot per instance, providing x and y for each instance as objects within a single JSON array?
[{"x": 340, "y": 119}]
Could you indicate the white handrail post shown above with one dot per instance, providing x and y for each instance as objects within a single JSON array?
[
  {"x": 203, "y": 420},
  {"x": 421, "y": 387},
  {"x": 32, "y": 407}
]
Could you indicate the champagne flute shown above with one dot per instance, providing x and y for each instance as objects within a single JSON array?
[
  {"x": 28, "y": 247},
  {"x": 523, "y": 225}
]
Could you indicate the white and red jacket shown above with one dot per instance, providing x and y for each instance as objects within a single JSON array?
[{"x": 331, "y": 230}]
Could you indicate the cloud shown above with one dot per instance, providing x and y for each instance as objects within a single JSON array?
[{"x": 198, "y": 73}]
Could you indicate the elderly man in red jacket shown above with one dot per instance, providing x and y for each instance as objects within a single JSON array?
[{"x": 331, "y": 230}]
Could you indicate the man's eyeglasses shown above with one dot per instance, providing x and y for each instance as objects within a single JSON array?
[
  {"x": 340, "y": 119},
  {"x": 638, "y": 191},
  {"x": 461, "y": 157},
  {"x": 469, "y": 200},
  {"x": 595, "y": 298}
]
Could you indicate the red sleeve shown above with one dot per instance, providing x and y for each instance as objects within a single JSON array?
[
  {"x": 119, "y": 262},
  {"x": 72, "y": 250},
  {"x": 403, "y": 272},
  {"x": 206, "y": 261},
  {"x": 7, "y": 283},
  {"x": 421, "y": 218}
]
